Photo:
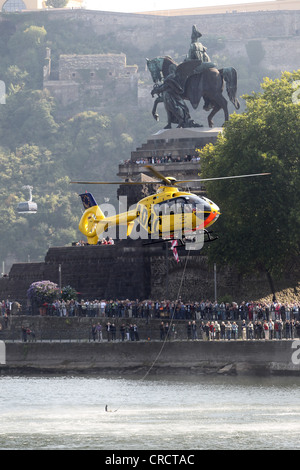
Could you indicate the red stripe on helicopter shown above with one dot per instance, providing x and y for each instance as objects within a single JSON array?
[{"x": 174, "y": 243}]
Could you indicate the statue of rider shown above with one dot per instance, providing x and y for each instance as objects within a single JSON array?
[
  {"x": 197, "y": 51},
  {"x": 175, "y": 105}
]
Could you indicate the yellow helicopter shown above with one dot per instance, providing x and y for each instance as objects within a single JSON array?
[{"x": 169, "y": 214}]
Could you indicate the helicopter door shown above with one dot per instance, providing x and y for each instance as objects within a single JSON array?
[{"x": 169, "y": 214}]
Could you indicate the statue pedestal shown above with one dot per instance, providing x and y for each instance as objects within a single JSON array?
[
  {"x": 187, "y": 133},
  {"x": 175, "y": 142},
  {"x": 173, "y": 153}
]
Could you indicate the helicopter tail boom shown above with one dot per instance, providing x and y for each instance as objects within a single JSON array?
[
  {"x": 92, "y": 216},
  {"x": 94, "y": 223}
]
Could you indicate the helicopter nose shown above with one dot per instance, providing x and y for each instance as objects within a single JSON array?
[
  {"x": 214, "y": 215},
  {"x": 210, "y": 206},
  {"x": 212, "y": 212},
  {"x": 215, "y": 209},
  {"x": 206, "y": 207}
]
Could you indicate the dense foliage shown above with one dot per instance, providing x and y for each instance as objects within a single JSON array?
[
  {"x": 43, "y": 147},
  {"x": 260, "y": 221},
  {"x": 68, "y": 293},
  {"x": 56, "y": 3},
  {"x": 39, "y": 147}
]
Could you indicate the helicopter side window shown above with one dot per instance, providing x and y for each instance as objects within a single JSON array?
[
  {"x": 178, "y": 205},
  {"x": 188, "y": 208},
  {"x": 200, "y": 205},
  {"x": 163, "y": 208}
]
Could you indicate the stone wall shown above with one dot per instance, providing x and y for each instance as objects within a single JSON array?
[
  {"x": 144, "y": 31},
  {"x": 101, "y": 271},
  {"x": 109, "y": 64},
  {"x": 194, "y": 357},
  {"x": 230, "y": 8},
  {"x": 93, "y": 80},
  {"x": 225, "y": 34},
  {"x": 130, "y": 270}
]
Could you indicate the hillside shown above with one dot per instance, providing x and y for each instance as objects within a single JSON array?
[{"x": 46, "y": 143}]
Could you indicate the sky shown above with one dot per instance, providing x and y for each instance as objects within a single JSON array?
[{"x": 129, "y": 6}]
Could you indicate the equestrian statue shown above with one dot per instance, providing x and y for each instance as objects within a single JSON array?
[{"x": 195, "y": 78}]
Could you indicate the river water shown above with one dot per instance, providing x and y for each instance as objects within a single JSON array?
[{"x": 187, "y": 413}]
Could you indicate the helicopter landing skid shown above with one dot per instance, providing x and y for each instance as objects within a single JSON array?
[
  {"x": 206, "y": 234},
  {"x": 209, "y": 237},
  {"x": 187, "y": 242}
]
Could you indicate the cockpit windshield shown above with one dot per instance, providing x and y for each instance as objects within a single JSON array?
[{"x": 183, "y": 205}]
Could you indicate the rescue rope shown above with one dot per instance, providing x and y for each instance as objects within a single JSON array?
[
  {"x": 169, "y": 330},
  {"x": 171, "y": 322}
]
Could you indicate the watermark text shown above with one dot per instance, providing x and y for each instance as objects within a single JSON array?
[
  {"x": 2, "y": 92},
  {"x": 166, "y": 220},
  {"x": 296, "y": 94},
  {"x": 296, "y": 354},
  {"x": 2, "y": 353}
]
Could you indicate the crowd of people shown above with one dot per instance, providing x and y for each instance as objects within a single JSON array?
[
  {"x": 204, "y": 319},
  {"x": 103, "y": 241},
  {"x": 126, "y": 332},
  {"x": 209, "y": 331},
  {"x": 157, "y": 160},
  {"x": 267, "y": 329},
  {"x": 179, "y": 310}
]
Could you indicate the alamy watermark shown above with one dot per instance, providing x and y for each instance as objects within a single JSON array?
[
  {"x": 168, "y": 219},
  {"x": 2, "y": 92},
  {"x": 2, "y": 353},
  {"x": 296, "y": 354},
  {"x": 296, "y": 94}
]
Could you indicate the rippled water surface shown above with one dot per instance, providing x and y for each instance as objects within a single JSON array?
[{"x": 152, "y": 414}]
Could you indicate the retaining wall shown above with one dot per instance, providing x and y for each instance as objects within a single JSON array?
[{"x": 154, "y": 357}]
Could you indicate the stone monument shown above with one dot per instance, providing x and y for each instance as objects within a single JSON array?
[
  {"x": 129, "y": 268},
  {"x": 195, "y": 78}
]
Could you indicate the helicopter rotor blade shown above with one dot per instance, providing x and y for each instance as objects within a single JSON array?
[
  {"x": 114, "y": 182},
  {"x": 221, "y": 178},
  {"x": 174, "y": 183},
  {"x": 167, "y": 181},
  {"x": 159, "y": 175}
]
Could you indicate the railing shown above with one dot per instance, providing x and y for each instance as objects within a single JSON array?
[{"x": 149, "y": 332}]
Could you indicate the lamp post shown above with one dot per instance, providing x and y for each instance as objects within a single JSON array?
[
  {"x": 215, "y": 281},
  {"x": 59, "y": 277}
]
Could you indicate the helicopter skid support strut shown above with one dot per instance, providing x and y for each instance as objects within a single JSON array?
[
  {"x": 209, "y": 237},
  {"x": 184, "y": 241}
]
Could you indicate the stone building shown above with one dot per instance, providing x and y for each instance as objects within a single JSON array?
[
  {"x": 230, "y": 8},
  {"x": 269, "y": 30},
  {"x": 92, "y": 80}
]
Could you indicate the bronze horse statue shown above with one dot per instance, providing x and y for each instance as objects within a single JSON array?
[{"x": 197, "y": 80}]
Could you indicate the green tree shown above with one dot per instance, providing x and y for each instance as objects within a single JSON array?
[
  {"x": 56, "y": 221},
  {"x": 68, "y": 293},
  {"x": 27, "y": 119},
  {"x": 15, "y": 79},
  {"x": 88, "y": 147},
  {"x": 57, "y": 3},
  {"x": 27, "y": 49},
  {"x": 260, "y": 217}
]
